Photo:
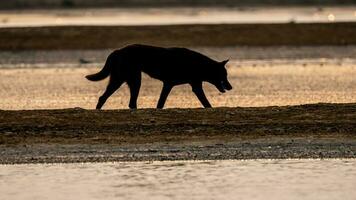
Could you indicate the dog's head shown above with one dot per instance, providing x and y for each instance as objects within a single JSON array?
[{"x": 219, "y": 78}]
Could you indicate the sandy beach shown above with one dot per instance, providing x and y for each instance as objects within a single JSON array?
[
  {"x": 294, "y": 87},
  {"x": 47, "y": 107},
  {"x": 256, "y": 83},
  {"x": 246, "y": 130}
]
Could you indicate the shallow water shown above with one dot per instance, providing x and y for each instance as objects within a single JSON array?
[
  {"x": 161, "y": 16},
  {"x": 251, "y": 179}
]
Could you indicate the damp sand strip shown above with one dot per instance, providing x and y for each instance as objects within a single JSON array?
[
  {"x": 217, "y": 35},
  {"x": 79, "y": 135}
]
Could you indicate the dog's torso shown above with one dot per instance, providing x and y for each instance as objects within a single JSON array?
[{"x": 178, "y": 65}]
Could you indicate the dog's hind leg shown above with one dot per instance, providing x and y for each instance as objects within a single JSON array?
[
  {"x": 197, "y": 88},
  {"x": 164, "y": 94},
  {"x": 110, "y": 89},
  {"x": 134, "y": 84}
]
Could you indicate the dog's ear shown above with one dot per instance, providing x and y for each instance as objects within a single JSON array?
[{"x": 224, "y": 62}]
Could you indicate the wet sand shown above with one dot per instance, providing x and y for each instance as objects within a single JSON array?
[
  {"x": 240, "y": 55},
  {"x": 188, "y": 35},
  {"x": 79, "y": 135}
]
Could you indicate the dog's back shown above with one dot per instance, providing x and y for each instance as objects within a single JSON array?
[{"x": 175, "y": 64}]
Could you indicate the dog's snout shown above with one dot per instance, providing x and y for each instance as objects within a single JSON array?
[{"x": 227, "y": 85}]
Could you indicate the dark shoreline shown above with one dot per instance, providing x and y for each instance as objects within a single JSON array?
[
  {"x": 78, "y": 135},
  {"x": 91, "y": 37}
]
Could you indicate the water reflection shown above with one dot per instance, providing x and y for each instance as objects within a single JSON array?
[
  {"x": 159, "y": 16},
  {"x": 331, "y": 17},
  {"x": 252, "y": 179}
]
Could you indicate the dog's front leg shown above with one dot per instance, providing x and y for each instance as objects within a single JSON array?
[
  {"x": 164, "y": 94},
  {"x": 197, "y": 88}
]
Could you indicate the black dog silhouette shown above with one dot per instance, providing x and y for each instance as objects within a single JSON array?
[{"x": 173, "y": 66}]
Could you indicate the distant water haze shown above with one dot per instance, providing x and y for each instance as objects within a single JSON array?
[{"x": 165, "y": 16}]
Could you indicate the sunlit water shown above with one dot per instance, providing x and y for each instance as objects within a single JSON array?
[
  {"x": 252, "y": 179},
  {"x": 160, "y": 16}
]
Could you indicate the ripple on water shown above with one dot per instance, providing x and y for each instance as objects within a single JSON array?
[{"x": 257, "y": 179}]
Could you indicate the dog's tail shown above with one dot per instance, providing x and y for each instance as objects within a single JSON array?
[{"x": 105, "y": 72}]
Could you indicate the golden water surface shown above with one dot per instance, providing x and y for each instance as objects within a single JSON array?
[{"x": 251, "y": 179}]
